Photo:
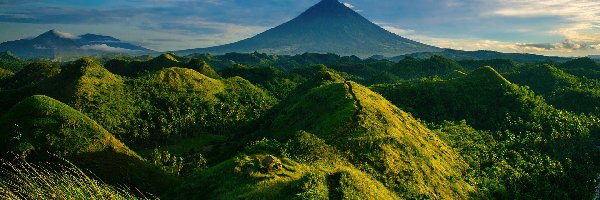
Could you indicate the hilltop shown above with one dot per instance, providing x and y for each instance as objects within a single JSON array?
[{"x": 353, "y": 133}]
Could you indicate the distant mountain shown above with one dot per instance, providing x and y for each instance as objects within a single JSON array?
[
  {"x": 56, "y": 44},
  {"x": 327, "y": 27},
  {"x": 595, "y": 57},
  {"x": 477, "y": 55}
]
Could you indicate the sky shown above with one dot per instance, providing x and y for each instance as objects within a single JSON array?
[{"x": 547, "y": 27}]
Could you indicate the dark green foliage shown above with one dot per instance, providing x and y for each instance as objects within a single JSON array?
[
  {"x": 543, "y": 79},
  {"x": 202, "y": 67},
  {"x": 176, "y": 102},
  {"x": 289, "y": 127},
  {"x": 533, "y": 134},
  {"x": 582, "y": 67},
  {"x": 32, "y": 74},
  {"x": 136, "y": 67},
  {"x": 410, "y": 68},
  {"x": 157, "y": 108},
  {"x": 12, "y": 65},
  {"x": 501, "y": 65},
  {"x": 277, "y": 82},
  {"x": 562, "y": 90},
  {"x": 40, "y": 124},
  {"x": 484, "y": 55}
]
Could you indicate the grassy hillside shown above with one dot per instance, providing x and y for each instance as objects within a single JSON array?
[
  {"x": 523, "y": 123},
  {"x": 582, "y": 67},
  {"x": 161, "y": 105},
  {"x": 32, "y": 74},
  {"x": 289, "y": 127},
  {"x": 25, "y": 180},
  {"x": 375, "y": 136},
  {"x": 40, "y": 124},
  {"x": 561, "y": 89}
]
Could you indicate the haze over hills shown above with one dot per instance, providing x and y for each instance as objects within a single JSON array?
[
  {"x": 56, "y": 44},
  {"x": 327, "y": 27}
]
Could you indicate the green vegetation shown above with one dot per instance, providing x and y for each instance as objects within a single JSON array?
[
  {"x": 40, "y": 124},
  {"x": 32, "y": 74},
  {"x": 561, "y": 89},
  {"x": 543, "y": 143},
  {"x": 25, "y": 180},
  {"x": 259, "y": 126}
]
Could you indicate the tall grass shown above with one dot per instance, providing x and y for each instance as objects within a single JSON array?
[{"x": 24, "y": 180}]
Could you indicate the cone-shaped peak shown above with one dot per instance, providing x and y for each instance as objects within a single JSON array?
[
  {"x": 327, "y": 27},
  {"x": 57, "y": 34},
  {"x": 328, "y": 8}
]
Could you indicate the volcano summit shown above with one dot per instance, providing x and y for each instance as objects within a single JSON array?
[{"x": 327, "y": 27}]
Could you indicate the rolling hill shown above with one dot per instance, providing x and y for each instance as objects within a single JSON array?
[
  {"x": 40, "y": 125},
  {"x": 337, "y": 139}
]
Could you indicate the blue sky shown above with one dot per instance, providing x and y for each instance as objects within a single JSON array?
[{"x": 549, "y": 27}]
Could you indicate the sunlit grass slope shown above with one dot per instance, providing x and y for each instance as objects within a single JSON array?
[
  {"x": 40, "y": 125},
  {"x": 376, "y": 137},
  {"x": 23, "y": 180}
]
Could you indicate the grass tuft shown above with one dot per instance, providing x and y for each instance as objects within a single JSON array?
[{"x": 24, "y": 180}]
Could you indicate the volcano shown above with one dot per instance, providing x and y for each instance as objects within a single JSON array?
[
  {"x": 327, "y": 27},
  {"x": 56, "y": 44}
]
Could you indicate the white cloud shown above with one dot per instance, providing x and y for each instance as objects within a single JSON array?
[
  {"x": 583, "y": 15},
  {"x": 398, "y": 31},
  {"x": 349, "y": 5},
  {"x": 65, "y": 35},
  {"x": 106, "y": 48}
]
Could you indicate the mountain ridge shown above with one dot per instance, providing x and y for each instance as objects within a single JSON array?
[{"x": 56, "y": 44}]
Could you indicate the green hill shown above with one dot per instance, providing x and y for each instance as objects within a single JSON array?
[
  {"x": 125, "y": 67},
  {"x": 480, "y": 98},
  {"x": 277, "y": 82},
  {"x": 376, "y": 137},
  {"x": 32, "y": 74},
  {"x": 164, "y": 105},
  {"x": 523, "y": 125},
  {"x": 202, "y": 67},
  {"x": 582, "y": 67},
  {"x": 543, "y": 79},
  {"x": 409, "y": 67},
  {"x": 560, "y": 89},
  {"x": 179, "y": 102},
  {"x": 40, "y": 124}
]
